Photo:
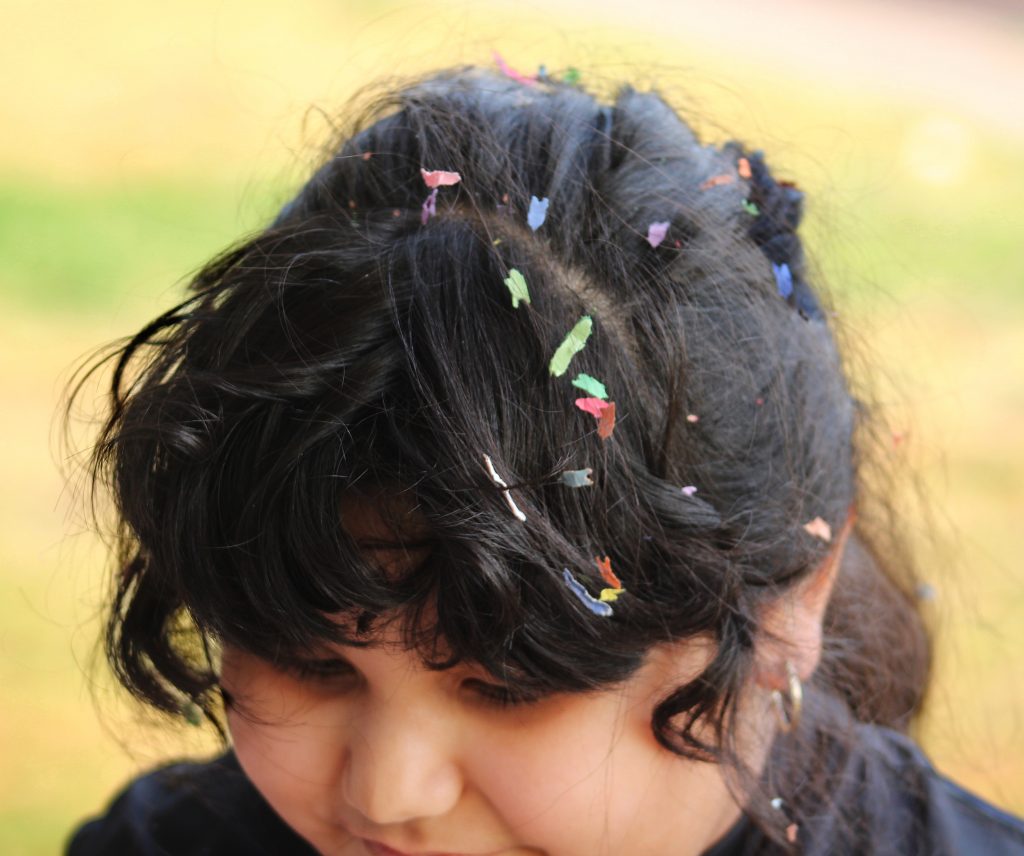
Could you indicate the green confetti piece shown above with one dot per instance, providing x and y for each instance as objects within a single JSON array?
[
  {"x": 516, "y": 283},
  {"x": 750, "y": 208},
  {"x": 571, "y": 345},
  {"x": 591, "y": 385},
  {"x": 571, "y": 76},
  {"x": 192, "y": 713}
]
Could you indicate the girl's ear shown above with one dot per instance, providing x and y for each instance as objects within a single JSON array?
[{"x": 790, "y": 627}]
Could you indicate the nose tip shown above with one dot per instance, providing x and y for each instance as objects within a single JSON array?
[{"x": 400, "y": 778}]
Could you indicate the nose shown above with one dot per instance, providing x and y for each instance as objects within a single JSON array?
[{"x": 400, "y": 765}]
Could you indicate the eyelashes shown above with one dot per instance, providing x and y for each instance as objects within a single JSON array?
[{"x": 334, "y": 670}]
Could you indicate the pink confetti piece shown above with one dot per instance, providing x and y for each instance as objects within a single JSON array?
[
  {"x": 594, "y": 406},
  {"x": 439, "y": 177},
  {"x": 692, "y": 417},
  {"x": 689, "y": 490},
  {"x": 606, "y": 424},
  {"x": 656, "y": 232},
  {"x": 500, "y": 482},
  {"x": 607, "y": 574},
  {"x": 429, "y": 207},
  {"x": 716, "y": 181},
  {"x": 791, "y": 832},
  {"x": 508, "y": 71},
  {"x": 819, "y": 529}
]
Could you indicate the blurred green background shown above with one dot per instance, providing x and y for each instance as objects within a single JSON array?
[{"x": 140, "y": 138}]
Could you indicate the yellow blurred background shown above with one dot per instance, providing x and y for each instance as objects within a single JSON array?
[{"x": 140, "y": 138}]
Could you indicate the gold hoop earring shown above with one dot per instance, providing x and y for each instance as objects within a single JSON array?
[{"x": 789, "y": 721}]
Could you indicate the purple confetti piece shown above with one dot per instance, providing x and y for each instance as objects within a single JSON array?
[
  {"x": 598, "y": 607},
  {"x": 429, "y": 207},
  {"x": 538, "y": 212},
  {"x": 784, "y": 279},
  {"x": 656, "y": 233},
  {"x": 689, "y": 490}
]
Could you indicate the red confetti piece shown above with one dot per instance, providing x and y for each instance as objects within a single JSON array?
[
  {"x": 606, "y": 424},
  {"x": 594, "y": 406},
  {"x": 439, "y": 177},
  {"x": 607, "y": 574},
  {"x": 717, "y": 180}
]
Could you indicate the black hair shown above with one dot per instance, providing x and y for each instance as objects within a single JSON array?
[{"x": 350, "y": 348}]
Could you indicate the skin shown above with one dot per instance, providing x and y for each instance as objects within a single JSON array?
[{"x": 423, "y": 762}]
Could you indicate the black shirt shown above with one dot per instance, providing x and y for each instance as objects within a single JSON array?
[{"x": 893, "y": 801}]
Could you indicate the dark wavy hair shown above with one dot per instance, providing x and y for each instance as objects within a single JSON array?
[{"x": 350, "y": 349}]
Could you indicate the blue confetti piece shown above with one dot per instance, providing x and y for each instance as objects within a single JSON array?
[
  {"x": 538, "y": 212},
  {"x": 784, "y": 279},
  {"x": 598, "y": 607}
]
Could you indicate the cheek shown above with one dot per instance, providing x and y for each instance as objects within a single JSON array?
[{"x": 576, "y": 782}]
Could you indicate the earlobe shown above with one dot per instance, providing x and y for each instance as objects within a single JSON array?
[{"x": 791, "y": 625}]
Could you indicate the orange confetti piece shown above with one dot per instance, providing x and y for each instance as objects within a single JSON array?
[
  {"x": 743, "y": 167},
  {"x": 606, "y": 423},
  {"x": 717, "y": 180},
  {"x": 791, "y": 831},
  {"x": 607, "y": 574},
  {"x": 819, "y": 529}
]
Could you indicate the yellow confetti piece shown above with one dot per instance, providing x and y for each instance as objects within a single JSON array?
[{"x": 610, "y": 595}]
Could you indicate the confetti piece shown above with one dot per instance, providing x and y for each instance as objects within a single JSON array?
[
  {"x": 367, "y": 155},
  {"x": 591, "y": 385},
  {"x": 395, "y": 212},
  {"x": 592, "y": 603},
  {"x": 716, "y": 181},
  {"x": 192, "y": 713},
  {"x": 750, "y": 208},
  {"x": 571, "y": 76},
  {"x": 759, "y": 402},
  {"x": 692, "y": 417},
  {"x": 498, "y": 480},
  {"x": 656, "y": 232},
  {"x": 819, "y": 529},
  {"x": 783, "y": 279},
  {"x": 606, "y": 424},
  {"x": 517, "y": 286},
  {"x": 538, "y": 212},
  {"x": 594, "y": 406},
  {"x": 429, "y": 207},
  {"x": 791, "y": 832},
  {"x": 743, "y": 167},
  {"x": 578, "y": 478},
  {"x": 689, "y": 490},
  {"x": 439, "y": 177},
  {"x": 777, "y": 803},
  {"x": 609, "y": 595},
  {"x": 508, "y": 71},
  {"x": 572, "y": 344},
  {"x": 607, "y": 574},
  {"x": 495, "y": 242}
]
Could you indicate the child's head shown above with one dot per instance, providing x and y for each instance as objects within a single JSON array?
[{"x": 369, "y": 436}]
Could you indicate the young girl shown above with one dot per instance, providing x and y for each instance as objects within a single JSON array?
[{"x": 506, "y": 495}]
